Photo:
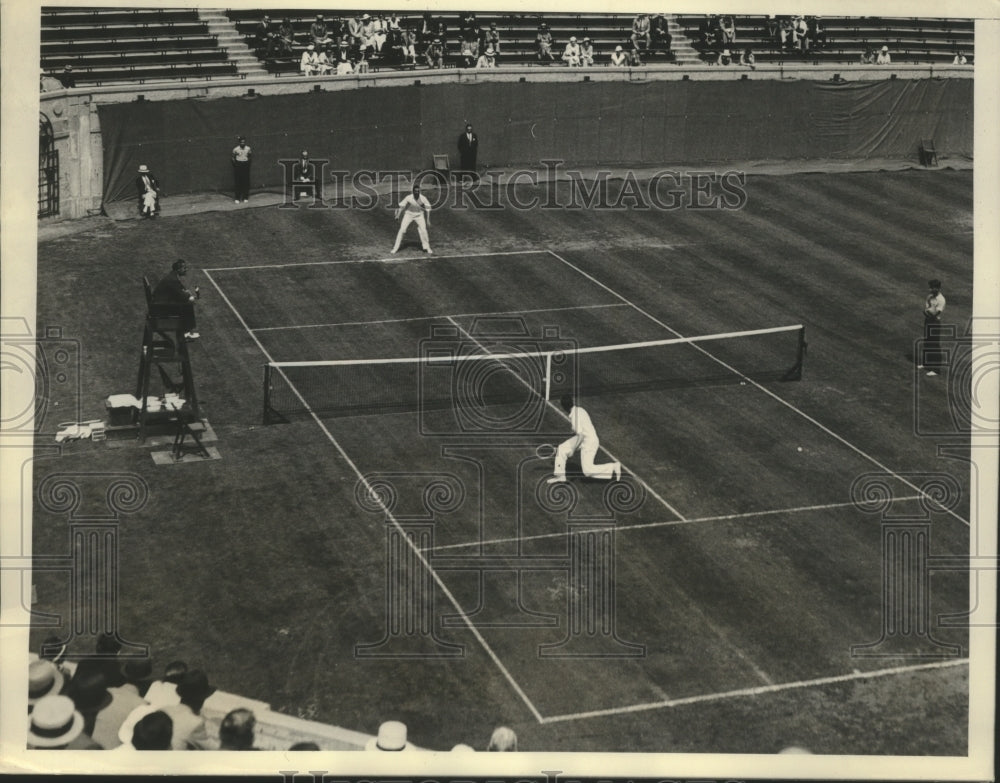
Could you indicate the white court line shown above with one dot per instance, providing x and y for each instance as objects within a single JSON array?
[
  {"x": 665, "y": 523},
  {"x": 555, "y": 407},
  {"x": 757, "y": 691},
  {"x": 766, "y": 391},
  {"x": 434, "y": 317},
  {"x": 420, "y": 555},
  {"x": 390, "y": 260}
]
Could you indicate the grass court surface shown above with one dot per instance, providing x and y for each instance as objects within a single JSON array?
[{"x": 746, "y": 572}]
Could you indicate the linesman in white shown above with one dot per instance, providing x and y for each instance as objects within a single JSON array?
[
  {"x": 585, "y": 439},
  {"x": 414, "y": 208}
]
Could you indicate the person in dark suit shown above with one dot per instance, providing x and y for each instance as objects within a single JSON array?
[
  {"x": 148, "y": 190},
  {"x": 468, "y": 149},
  {"x": 304, "y": 177},
  {"x": 172, "y": 298}
]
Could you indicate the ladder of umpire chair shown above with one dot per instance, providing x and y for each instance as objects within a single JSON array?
[{"x": 164, "y": 347}]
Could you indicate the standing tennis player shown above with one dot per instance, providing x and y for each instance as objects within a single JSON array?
[
  {"x": 585, "y": 439},
  {"x": 414, "y": 208}
]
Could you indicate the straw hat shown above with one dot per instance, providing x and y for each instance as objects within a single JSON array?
[
  {"x": 44, "y": 679},
  {"x": 143, "y": 169},
  {"x": 54, "y": 722},
  {"x": 391, "y": 737}
]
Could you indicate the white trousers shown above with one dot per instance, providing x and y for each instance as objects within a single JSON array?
[
  {"x": 413, "y": 217},
  {"x": 588, "y": 450}
]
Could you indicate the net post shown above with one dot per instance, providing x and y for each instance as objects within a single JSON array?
[{"x": 548, "y": 374}]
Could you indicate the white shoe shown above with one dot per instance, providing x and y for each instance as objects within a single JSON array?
[
  {"x": 920, "y": 367},
  {"x": 557, "y": 480},
  {"x": 393, "y": 252},
  {"x": 237, "y": 201},
  {"x": 617, "y": 473},
  {"x": 931, "y": 372},
  {"x": 427, "y": 250},
  {"x": 191, "y": 335},
  {"x": 245, "y": 201}
]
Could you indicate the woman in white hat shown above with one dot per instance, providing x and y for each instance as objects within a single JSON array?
[
  {"x": 55, "y": 724},
  {"x": 883, "y": 57},
  {"x": 571, "y": 54},
  {"x": 618, "y": 58}
]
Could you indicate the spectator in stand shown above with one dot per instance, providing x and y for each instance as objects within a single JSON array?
[
  {"x": 44, "y": 679},
  {"x": 747, "y": 59},
  {"x": 189, "y": 725},
  {"x": 103, "y": 712},
  {"x": 492, "y": 37},
  {"x": 660, "y": 35},
  {"x": 324, "y": 64},
  {"x": 285, "y": 39},
  {"x": 884, "y": 57},
  {"x": 771, "y": 26},
  {"x": 66, "y": 78},
  {"x": 727, "y": 26},
  {"x": 503, "y": 740},
  {"x": 344, "y": 67},
  {"x": 394, "y": 22},
  {"x": 435, "y": 54},
  {"x": 153, "y": 732},
  {"x": 55, "y": 724},
  {"x": 786, "y": 32},
  {"x": 817, "y": 33},
  {"x": 640, "y": 31},
  {"x": 236, "y": 730},
  {"x": 543, "y": 43},
  {"x": 427, "y": 28},
  {"x": 487, "y": 59},
  {"x": 368, "y": 40},
  {"x": 160, "y": 693},
  {"x": 393, "y": 47},
  {"x": 725, "y": 58},
  {"x": 618, "y": 58},
  {"x": 266, "y": 37},
  {"x": 442, "y": 32},
  {"x": 586, "y": 53},
  {"x": 959, "y": 59},
  {"x": 381, "y": 32},
  {"x": 360, "y": 63},
  {"x": 466, "y": 58},
  {"x": 868, "y": 56},
  {"x": 138, "y": 675},
  {"x": 571, "y": 54},
  {"x": 148, "y": 189},
  {"x": 318, "y": 32},
  {"x": 309, "y": 64},
  {"x": 633, "y": 59},
  {"x": 800, "y": 34},
  {"x": 410, "y": 46},
  {"x": 708, "y": 31},
  {"x": 354, "y": 30}
]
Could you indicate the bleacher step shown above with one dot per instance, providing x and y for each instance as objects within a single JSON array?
[{"x": 246, "y": 62}]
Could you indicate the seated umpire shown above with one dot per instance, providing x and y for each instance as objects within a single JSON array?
[{"x": 172, "y": 298}]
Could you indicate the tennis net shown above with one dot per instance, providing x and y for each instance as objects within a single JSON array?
[{"x": 472, "y": 375}]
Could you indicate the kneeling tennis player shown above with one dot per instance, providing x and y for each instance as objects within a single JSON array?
[{"x": 585, "y": 439}]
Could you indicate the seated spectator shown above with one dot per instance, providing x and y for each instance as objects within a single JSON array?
[
  {"x": 103, "y": 712},
  {"x": 727, "y": 27},
  {"x": 747, "y": 59},
  {"x": 160, "y": 693},
  {"x": 868, "y": 56},
  {"x": 138, "y": 676},
  {"x": 285, "y": 39},
  {"x": 265, "y": 37},
  {"x": 410, "y": 46},
  {"x": 189, "y": 725},
  {"x": 466, "y": 58},
  {"x": 394, "y": 22},
  {"x": 344, "y": 67},
  {"x": 503, "y": 740},
  {"x": 354, "y": 29},
  {"x": 391, "y": 737},
  {"x": 800, "y": 34},
  {"x": 427, "y": 28},
  {"x": 786, "y": 32},
  {"x": 393, "y": 46},
  {"x": 309, "y": 64},
  {"x": 571, "y": 54},
  {"x": 148, "y": 189},
  {"x": 492, "y": 36},
  {"x": 55, "y": 724},
  {"x": 660, "y": 37},
  {"x": 152, "y": 732},
  {"x": 959, "y": 59},
  {"x": 640, "y": 31},
  {"x": 236, "y": 730},
  {"x": 368, "y": 39},
  {"x": 44, "y": 679},
  {"x": 487, "y": 59},
  {"x": 884, "y": 57},
  {"x": 360, "y": 63},
  {"x": 442, "y": 32},
  {"x": 633, "y": 59},
  {"x": 618, "y": 58},
  {"x": 435, "y": 54},
  {"x": 318, "y": 32},
  {"x": 380, "y": 32},
  {"x": 66, "y": 78},
  {"x": 586, "y": 53},
  {"x": 708, "y": 31},
  {"x": 725, "y": 58},
  {"x": 324, "y": 65},
  {"x": 543, "y": 43},
  {"x": 816, "y": 32},
  {"x": 771, "y": 27}
]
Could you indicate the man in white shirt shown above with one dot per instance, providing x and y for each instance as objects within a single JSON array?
[
  {"x": 585, "y": 439},
  {"x": 309, "y": 64},
  {"x": 571, "y": 55},
  {"x": 618, "y": 58},
  {"x": 883, "y": 57},
  {"x": 587, "y": 53},
  {"x": 933, "y": 309},
  {"x": 414, "y": 208}
]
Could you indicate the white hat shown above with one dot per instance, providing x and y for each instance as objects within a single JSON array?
[
  {"x": 885, "y": 48},
  {"x": 391, "y": 737},
  {"x": 128, "y": 725},
  {"x": 311, "y": 48},
  {"x": 54, "y": 722},
  {"x": 503, "y": 739},
  {"x": 618, "y": 48},
  {"x": 572, "y": 39},
  {"x": 143, "y": 169},
  {"x": 44, "y": 679}
]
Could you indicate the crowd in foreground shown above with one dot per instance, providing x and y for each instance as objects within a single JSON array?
[{"x": 109, "y": 703}]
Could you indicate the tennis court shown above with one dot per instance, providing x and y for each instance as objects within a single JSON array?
[
  {"x": 743, "y": 569},
  {"x": 738, "y": 520}
]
